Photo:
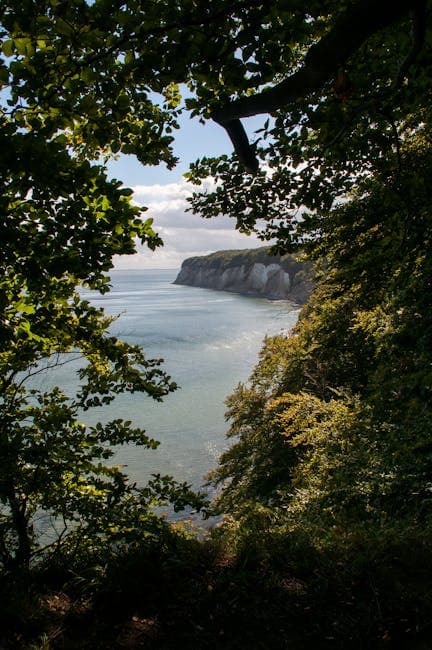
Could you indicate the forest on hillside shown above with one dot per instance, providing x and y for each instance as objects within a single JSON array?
[{"x": 325, "y": 491}]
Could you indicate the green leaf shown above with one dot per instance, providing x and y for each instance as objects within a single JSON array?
[
  {"x": 8, "y": 47},
  {"x": 24, "y": 46},
  {"x": 4, "y": 76},
  {"x": 62, "y": 27}
]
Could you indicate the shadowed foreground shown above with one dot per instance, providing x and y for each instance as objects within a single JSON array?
[{"x": 198, "y": 596}]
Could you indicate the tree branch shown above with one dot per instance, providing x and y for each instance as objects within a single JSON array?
[
  {"x": 350, "y": 31},
  {"x": 244, "y": 150}
]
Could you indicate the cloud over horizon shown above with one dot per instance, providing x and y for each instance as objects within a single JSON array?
[{"x": 183, "y": 233}]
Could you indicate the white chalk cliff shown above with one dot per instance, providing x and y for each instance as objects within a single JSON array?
[{"x": 253, "y": 272}]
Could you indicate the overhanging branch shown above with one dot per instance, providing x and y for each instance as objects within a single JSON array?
[{"x": 351, "y": 30}]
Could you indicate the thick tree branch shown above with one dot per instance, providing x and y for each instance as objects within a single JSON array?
[
  {"x": 244, "y": 150},
  {"x": 350, "y": 31}
]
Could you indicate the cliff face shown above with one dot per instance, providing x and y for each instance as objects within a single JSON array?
[{"x": 252, "y": 272}]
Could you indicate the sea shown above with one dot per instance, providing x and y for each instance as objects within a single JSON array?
[{"x": 209, "y": 340}]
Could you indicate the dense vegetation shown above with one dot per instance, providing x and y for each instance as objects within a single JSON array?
[
  {"x": 326, "y": 490},
  {"x": 249, "y": 257},
  {"x": 334, "y": 427},
  {"x": 62, "y": 222}
]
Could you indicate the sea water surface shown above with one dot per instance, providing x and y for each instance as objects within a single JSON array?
[{"x": 209, "y": 341}]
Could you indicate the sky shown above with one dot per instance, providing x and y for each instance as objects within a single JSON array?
[{"x": 164, "y": 193}]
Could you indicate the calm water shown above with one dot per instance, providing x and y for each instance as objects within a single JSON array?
[{"x": 209, "y": 340}]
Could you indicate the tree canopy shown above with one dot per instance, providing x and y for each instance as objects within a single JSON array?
[
  {"x": 69, "y": 103},
  {"x": 344, "y": 84}
]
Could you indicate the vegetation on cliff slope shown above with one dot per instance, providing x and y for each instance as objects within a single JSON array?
[
  {"x": 247, "y": 257},
  {"x": 332, "y": 434}
]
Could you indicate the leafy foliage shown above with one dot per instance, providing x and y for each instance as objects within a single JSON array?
[
  {"x": 333, "y": 431},
  {"x": 340, "y": 102},
  {"x": 72, "y": 97}
]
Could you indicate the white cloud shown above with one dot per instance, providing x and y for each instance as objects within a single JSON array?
[
  {"x": 184, "y": 234},
  {"x": 171, "y": 190}
]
